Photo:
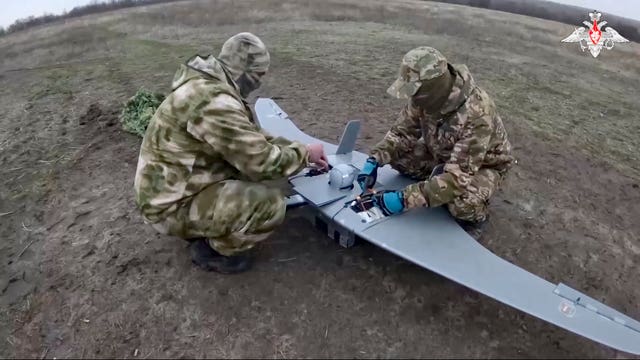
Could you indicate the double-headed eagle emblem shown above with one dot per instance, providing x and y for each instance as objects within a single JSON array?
[{"x": 592, "y": 37}]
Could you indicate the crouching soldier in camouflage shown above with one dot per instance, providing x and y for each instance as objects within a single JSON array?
[
  {"x": 449, "y": 137},
  {"x": 203, "y": 159}
]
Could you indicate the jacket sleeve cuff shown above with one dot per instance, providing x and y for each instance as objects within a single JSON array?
[{"x": 413, "y": 197}]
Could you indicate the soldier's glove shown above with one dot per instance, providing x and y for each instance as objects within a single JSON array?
[
  {"x": 367, "y": 177},
  {"x": 389, "y": 201}
]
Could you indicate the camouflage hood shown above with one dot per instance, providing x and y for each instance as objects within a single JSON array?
[
  {"x": 197, "y": 67},
  {"x": 462, "y": 88}
]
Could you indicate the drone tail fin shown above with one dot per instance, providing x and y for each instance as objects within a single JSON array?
[{"x": 349, "y": 137}]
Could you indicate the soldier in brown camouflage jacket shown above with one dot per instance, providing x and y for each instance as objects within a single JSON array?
[
  {"x": 449, "y": 137},
  {"x": 203, "y": 157}
]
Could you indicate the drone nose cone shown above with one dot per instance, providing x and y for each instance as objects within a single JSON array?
[{"x": 342, "y": 176}]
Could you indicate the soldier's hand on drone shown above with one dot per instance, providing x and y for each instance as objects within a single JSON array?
[
  {"x": 367, "y": 177},
  {"x": 389, "y": 201},
  {"x": 317, "y": 156}
]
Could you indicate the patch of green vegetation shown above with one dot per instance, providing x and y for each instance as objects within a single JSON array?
[{"x": 139, "y": 110}]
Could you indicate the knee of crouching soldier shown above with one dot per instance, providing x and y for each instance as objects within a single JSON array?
[
  {"x": 272, "y": 205},
  {"x": 279, "y": 207},
  {"x": 471, "y": 208}
]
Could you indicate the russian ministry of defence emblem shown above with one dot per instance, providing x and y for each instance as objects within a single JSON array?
[{"x": 592, "y": 37}]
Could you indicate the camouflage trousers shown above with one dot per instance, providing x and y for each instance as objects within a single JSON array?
[
  {"x": 419, "y": 164},
  {"x": 232, "y": 215}
]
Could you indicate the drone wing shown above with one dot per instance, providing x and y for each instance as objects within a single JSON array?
[{"x": 432, "y": 239}]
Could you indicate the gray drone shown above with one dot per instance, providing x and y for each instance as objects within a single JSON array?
[{"x": 432, "y": 239}]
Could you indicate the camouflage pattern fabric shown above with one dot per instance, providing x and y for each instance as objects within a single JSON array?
[
  {"x": 202, "y": 160},
  {"x": 467, "y": 136},
  {"x": 473, "y": 204},
  {"x": 413, "y": 159},
  {"x": 244, "y": 53},
  {"x": 233, "y": 215},
  {"x": 418, "y": 163},
  {"x": 418, "y": 65}
]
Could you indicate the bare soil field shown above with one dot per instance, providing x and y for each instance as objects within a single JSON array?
[{"x": 82, "y": 276}]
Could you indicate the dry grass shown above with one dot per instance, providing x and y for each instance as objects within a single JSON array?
[
  {"x": 337, "y": 48},
  {"x": 557, "y": 90}
]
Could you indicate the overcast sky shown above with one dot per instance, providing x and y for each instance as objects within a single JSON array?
[{"x": 11, "y": 10}]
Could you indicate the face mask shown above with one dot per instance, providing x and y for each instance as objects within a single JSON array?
[
  {"x": 434, "y": 93},
  {"x": 248, "y": 83}
]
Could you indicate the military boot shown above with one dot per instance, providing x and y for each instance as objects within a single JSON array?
[
  {"x": 208, "y": 259},
  {"x": 475, "y": 229}
]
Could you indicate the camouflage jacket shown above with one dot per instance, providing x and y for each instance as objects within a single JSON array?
[
  {"x": 466, "y": 135},
  {"x": 204, "y": 133}
]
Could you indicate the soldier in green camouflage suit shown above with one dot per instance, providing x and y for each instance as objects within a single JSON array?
[
  {"x": 449, "y": 137},
  {"x": 203, "y": 158}
]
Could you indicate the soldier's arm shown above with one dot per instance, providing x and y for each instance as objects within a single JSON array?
[
  {"x": 276, "y": 140},
  {"x": 465, "y": 161},
  {"x": 405, "y": 130},
  {"x": 223, "y": 124}
]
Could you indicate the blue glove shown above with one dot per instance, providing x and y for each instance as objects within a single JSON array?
[
  {"x": 367, "y": 177},
  {"x": 390, "y": 202}
]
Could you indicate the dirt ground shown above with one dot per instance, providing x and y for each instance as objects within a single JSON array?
[{"x": 82, "y": 276}]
